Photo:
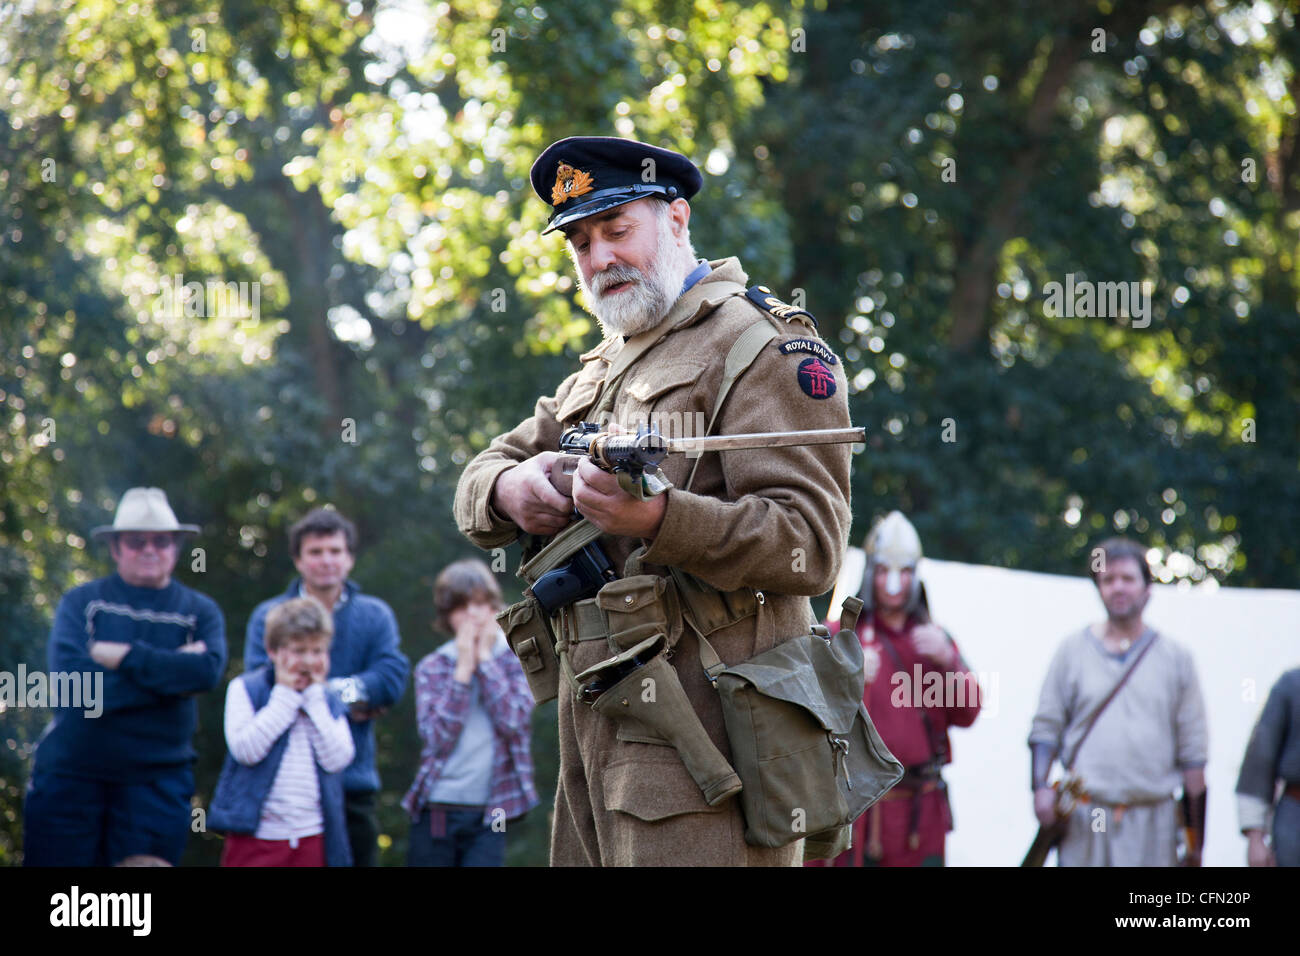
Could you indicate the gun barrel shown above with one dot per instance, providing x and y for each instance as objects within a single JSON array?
[
  {"x": 816, "y": 436},
  {"x": 609, "y": 451}
]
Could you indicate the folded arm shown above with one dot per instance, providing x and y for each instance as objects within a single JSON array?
[{"x": 178, "y": 672}]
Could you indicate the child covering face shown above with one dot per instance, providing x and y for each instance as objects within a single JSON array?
[{"x": 280, "y": 795}]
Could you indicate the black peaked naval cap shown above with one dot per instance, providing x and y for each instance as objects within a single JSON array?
[{"x": 583, "y": 175}]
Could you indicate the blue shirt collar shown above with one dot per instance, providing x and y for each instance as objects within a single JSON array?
[{"x": 701, "y": 269}]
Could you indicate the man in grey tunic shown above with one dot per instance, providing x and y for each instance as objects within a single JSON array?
[
  {"x": 1150, "y": 739},
  {"x": 1273, "y": 756}
]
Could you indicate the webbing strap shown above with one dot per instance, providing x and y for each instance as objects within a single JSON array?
[
  {"x": 563, "y": 546},
  {"x": 742, "y": 355},
  {"x": 851, "y": 612},
  {"x": 743, "y": 352},
  {"x": 632, "y": 350},
  {"x": 710, "y": 660},
  {"x": 566, "y": 668},
  {"x": 588, "y": 622}
]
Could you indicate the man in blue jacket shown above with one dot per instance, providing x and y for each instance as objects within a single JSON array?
[
  {"x": 114, "y": 781},
  {"x": 367, "y": 666}
]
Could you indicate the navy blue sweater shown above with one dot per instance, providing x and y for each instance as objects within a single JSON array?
[
  {"x": 149, "y": 712},
  {"x": 366, "y": 646}
]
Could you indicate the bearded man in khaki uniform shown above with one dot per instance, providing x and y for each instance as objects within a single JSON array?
[{"x": 763, "y": 529}]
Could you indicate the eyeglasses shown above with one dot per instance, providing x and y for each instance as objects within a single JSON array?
[{"x": 138, "y": 542}]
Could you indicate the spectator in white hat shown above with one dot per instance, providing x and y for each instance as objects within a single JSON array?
[{"x": 116, "y": 781}]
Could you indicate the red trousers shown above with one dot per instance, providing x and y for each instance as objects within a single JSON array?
[
  {"x": 887, "y": 828},
  {"x": 244, "y": 850}
]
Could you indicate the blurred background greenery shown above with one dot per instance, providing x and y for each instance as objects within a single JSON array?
[{"x": 916, "y": 172}]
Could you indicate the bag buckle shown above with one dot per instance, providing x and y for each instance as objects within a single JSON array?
[{"x": 839, "y": 758}]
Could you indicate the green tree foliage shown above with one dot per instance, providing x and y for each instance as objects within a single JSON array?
[
  {"x": 967, "y": 158},
  {"x": 917, "y": 173}
]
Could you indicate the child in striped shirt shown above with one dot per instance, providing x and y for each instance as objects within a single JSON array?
[{"x": 280, "y": 795}]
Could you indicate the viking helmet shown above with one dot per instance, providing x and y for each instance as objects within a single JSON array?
[{"x": 893, "y": 543}]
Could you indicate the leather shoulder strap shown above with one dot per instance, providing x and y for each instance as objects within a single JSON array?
[
  {"x": 938, "y": 739},
  {"x": 1092, "y": 721}
]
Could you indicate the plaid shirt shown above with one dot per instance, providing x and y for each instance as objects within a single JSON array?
[{"x": 441, "y": 706}]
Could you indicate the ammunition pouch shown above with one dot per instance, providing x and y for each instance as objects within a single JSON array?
[
  {"x": 706, "y": 608},
  {"x": 631, "y": 611},
  {"x": 640, "y": 619},
  {"x": 638, "y": 607},
  {"x": 529, "y": 633},
  {"x": 527, "y": 625},
  {"x": 803, "y": 744}
]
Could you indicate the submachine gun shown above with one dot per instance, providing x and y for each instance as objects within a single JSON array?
[{"x": 635, "y": 459}]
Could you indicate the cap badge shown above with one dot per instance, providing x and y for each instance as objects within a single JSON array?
[{"x": 570, "y": 183}]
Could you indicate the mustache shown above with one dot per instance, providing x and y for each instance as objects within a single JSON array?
[{"x": 613, "y": 276}]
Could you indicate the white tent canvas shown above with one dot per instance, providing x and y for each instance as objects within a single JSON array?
[{"x": 1009, "y": 623}]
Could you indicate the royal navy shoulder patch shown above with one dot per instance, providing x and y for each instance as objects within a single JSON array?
[
  {"x": 762, "y": 297},
  {"x": 811, "y": 346}
]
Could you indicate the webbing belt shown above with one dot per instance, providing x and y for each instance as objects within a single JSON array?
[{"x": 588, "y": 622}]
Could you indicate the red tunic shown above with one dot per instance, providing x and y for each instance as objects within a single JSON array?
[{"x": 906, "y": 686}]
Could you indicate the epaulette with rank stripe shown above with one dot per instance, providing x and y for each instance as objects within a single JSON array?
[{"x": 762, "y": 297}]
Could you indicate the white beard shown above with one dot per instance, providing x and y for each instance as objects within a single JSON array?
[{"x": 644, "y": 305}]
